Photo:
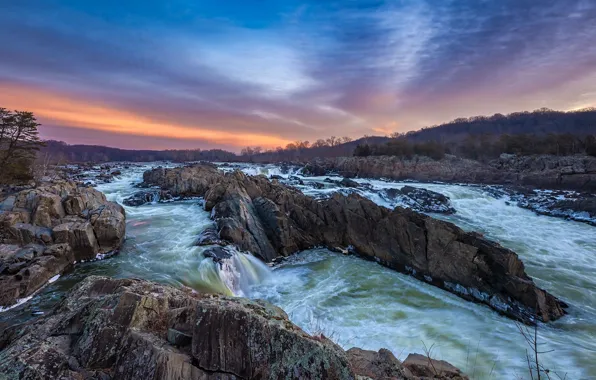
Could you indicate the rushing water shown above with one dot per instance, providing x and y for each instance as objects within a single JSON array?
[{"x": 360, "y": 303}]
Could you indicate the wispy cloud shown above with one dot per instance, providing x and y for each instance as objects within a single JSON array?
[{"x": 294, "y": 69}]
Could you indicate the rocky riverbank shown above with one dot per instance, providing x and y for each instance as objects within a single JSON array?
[
  {"x": 46, "y": 228},
  {"x": 134, "y": 329},
  {"x": 549, "y": 172},
  {"x": 272, "y": 221}
]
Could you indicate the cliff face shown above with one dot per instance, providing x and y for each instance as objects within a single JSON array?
[
  {"x": 272, "y": 220},
  {"x": 571, "y": 172},
  {"x": 133, "y": 329}
]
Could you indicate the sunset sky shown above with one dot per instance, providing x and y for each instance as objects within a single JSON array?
[{"x": 226, "y": 74}]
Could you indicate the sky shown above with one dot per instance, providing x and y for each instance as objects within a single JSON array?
[{"x": 150, "y": 74}]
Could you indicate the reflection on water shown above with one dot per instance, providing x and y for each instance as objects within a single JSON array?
[{"x": 359, "y": 303}]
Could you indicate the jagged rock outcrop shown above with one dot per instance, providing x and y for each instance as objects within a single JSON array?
[
  {"x": 272, "y": 220},
  {"x": 44, "y": 230},
  {"x": 147, "y": 196},
  {"x": 552, "y": 172},
  {"x": 420, "y": 199},
  {"x": 133, "y": 329}
]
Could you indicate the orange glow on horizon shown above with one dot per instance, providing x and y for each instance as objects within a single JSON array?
[{"x": 67, "y": 111}]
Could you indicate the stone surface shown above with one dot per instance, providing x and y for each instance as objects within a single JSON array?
[
  {"x": 66, "y": 222},
  {"x": 272, "y": 220},
  {"x": 420, "y": 199},
  {"x": 377, "y": 365},
  {"x": 425, "y": 367},
  {"x": 123, "y": 329}
]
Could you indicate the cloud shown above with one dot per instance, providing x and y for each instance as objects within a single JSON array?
[{"x": 295, "y": 69}]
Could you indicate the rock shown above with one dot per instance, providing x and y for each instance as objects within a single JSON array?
[
  {"x": 80, "y": 236},
  {"x": 426, "y": 367},
  {"x": 543, "y": 171},
  {"x": 209, "y": 236},
  {"x": 55, "y": 224},
  {"x": 124, "y": 329},
  {"x": 29, "y": 272},
  {"x": 316, "y": 185},
  {"x": 377, "y": 365},
  {"x": 115, "y": 173},
  {"x": 346, "y": 182},
  {"x": 144, "y": 197},
  {"x": 428, "y": 201},
  {"x": 218, "y": 254},
  {"x": 272, "y": 220},
  {"x": 571, "y": 205}
]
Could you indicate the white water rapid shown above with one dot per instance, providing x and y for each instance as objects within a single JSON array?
[{"x": 360, "y": 303}]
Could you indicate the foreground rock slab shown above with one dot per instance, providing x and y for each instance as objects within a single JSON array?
[
  {"x": 272, "y": 221},
  {"x": 135, "y": 329},
  {"x": 44, "y": 230}
]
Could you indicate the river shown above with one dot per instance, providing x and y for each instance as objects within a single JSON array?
[{"x": 360, "y": 303}]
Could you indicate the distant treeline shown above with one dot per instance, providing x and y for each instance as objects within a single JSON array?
[
  {"x": 543, "y": 131},
  {"x": 539, "y": 122},
  {"x": 485, "y": 147},
  {"x": 60, "y": 152}
]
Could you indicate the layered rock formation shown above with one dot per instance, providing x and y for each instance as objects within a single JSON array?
[
  {"x": 571, "y": 172},
  {"x": 133, "y": 329},
  {"x": 272, "y": 220},
  {"x": 44, "y": 230}
]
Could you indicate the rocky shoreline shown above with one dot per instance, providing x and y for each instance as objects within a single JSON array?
[
  {"x": 563, "y": 187},
  {"x": 272, "y": 220},
  {"x": 548, "y": 172},
  {"x": 47, "y": 228}
]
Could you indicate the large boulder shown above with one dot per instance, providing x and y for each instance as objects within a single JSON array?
[
  {"x": 133, "y": 329},
  {"x": 23, "y": 270},
  {"x": 272, "y": 220},
  {"x": 72, "y": 223}
]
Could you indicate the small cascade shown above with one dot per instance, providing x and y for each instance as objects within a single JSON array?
[
  {"x": 241, "y": 271},
  {"x": 155, "y": 198},
  {"x": 231, "y": 276}
]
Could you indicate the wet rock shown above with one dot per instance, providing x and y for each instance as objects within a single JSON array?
[
  {"x": 124, "y": 329},
  {"x": 566, "y": 204},
  {"x": 428, "y": 201},
  {"x": 296, "y": 180},
  {"x": 218, "y": 254},
  {"x": 143, "y": 197},
  {"x": 427, "y": 368},
  {"x": 22, "y": 278},
  {"x": 209, "y": 236},
  {"x": 316, "y": 185},
  {"x": 346, "y": 182},
  {"x": 272, "y": 220}
]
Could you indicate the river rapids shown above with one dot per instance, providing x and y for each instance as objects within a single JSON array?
[{"x": 360, "y": 303}]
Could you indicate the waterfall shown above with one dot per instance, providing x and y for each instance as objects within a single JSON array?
[
  {"x": 155, "y": 198},
  {"x": 233, "y": 276}
]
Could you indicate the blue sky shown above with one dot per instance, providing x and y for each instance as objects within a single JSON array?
[{"x": 161, "y": 74}]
